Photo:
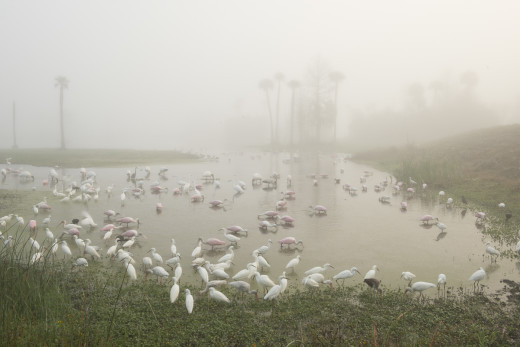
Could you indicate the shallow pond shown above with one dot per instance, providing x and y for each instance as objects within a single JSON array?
[{"x": 358, "y": 230}]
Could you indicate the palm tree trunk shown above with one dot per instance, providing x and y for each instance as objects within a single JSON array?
[
  {"x": 277, "y": 130},
  {"x": 292, "y": 115},
  {"x": 270, "y": 115},
  {"x": 61, "y": 119},
  {"x": 335, "y": 110}
]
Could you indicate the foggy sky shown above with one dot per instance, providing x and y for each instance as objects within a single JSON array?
[{"x": 182, "y": 74}]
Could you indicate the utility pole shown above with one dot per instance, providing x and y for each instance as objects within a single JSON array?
[{"x": 14, "y": 126}]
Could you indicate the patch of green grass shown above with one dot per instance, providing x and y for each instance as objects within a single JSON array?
[{"x": 75, "y": 158}]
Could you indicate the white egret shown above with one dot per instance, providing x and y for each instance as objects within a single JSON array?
[
  {"x": 229, "y": 256},
  {"x": 371, "y": 273},
  {"x": 173, "y": 248},
  {"x": 477, "y": 276},
  {"x": 263, "y": 281},
  {"x": 293, "y": 263},
  {"x": 197, "y": 251},
  {"x": 130, "y": 269},
  {"x": 408, "y": 276},
  {"x": 318, "y": 269},
  {"x": 189, "y": 301},
  {"x": 216, "y": 295},
  {"x": 178, "y": 271},
  {"x": 158, "y": 271},
  {"x": 419, "y": 287},
  {"x": 174, "y": 291},
  {"x": 492, "y": 252},
  {"x": 441, "y": 280},
  {"x": 156, "y": 256},
  {"x": 345, "y": 274}
]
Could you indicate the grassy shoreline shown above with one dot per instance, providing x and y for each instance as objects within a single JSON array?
[{"x": 76, "y": 158}]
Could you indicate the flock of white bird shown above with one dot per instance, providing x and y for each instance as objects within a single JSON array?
[{"x": 123, "y": 231}]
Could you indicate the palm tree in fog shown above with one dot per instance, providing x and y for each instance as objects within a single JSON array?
[
  {"x": 279, "y": 78},
  {"x": 336, "y": 77},
  {"x": 63, "y": 83},
  {"x": 267, "y": 85},
  {"x": 293, "y": 84}
]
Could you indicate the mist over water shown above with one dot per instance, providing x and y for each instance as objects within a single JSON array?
[{"x": 169, "y": 75}]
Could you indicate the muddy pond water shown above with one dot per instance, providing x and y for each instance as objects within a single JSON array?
[{"x": 357, "y": 230}]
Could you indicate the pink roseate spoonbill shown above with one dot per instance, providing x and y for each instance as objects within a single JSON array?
[
  {"x": 290, "y": 195},
  {"x": 159, "y": 207},
  {"x": 176, "y": 191},
  {"x": 235, "y": 229},
  {"x": 481, "y": 216},
  {"x": 477, "y": 276},
  {"x": 404, "y": 205},
  {"x": 268, "y": 215},
  {"x": 44, "y": 207},
  {"x": 345, "y": 274},
  {"x": 427, "y": 218},
  {"x": 319, "y": 209},
  {"x": 127, "y": 220},
  {"x": 266, "y": 225},
  {"x": 289, "y": 240},
  {"x": 108, "y": 227},
  {"x": 419, "y": 287},
  {"x": 71, "y": 232},
  {"x": 318, "y": 269},
  {"x": 110, "y": 213},
  {"x": 286, "y": 220},
  {"x": 281, "y": 205},
  {"x": 197, "y": 197},
  {"x": 128, "y": 233},
  {"x": 216, "y": 204},
  {"x": 214, "y": 242},
  {"x": 32, "y": 225},
  {"x": 410, "y": 191}
]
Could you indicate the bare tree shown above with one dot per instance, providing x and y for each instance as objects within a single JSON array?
[
  {"x": 267, "y": 85},
  {"x": 336, "y": 77},
  {"x": 293, "y": 84},
  {"x": 279, "y": 77},
  {"x": 319, "y": 87},
  {"x": 63, "y": 83}
]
